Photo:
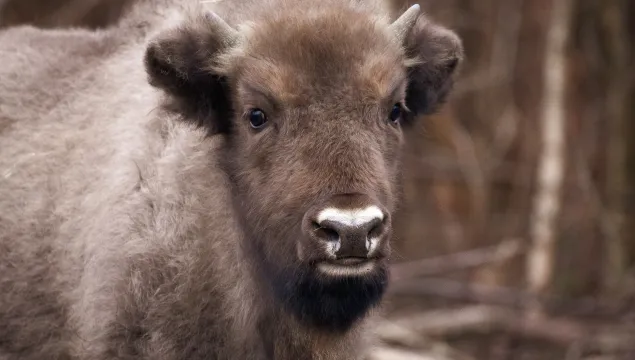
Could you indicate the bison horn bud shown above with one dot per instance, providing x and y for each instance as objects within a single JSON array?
[
  {"x": 228, "y": 33},
  {"x": 401, "y": 27}
]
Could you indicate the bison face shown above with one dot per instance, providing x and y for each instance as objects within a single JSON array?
[{"x": 312, "y": 105}]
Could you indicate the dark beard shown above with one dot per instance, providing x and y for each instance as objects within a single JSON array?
[{"x": 329, "y": 303}]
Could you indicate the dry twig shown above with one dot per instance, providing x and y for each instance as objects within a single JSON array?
[
  {"x": 503, "y": 296},
  {"x": 483, "y": 318},
  {"x": 393, "y": 334},
  {"x": 457, "y": 261}
]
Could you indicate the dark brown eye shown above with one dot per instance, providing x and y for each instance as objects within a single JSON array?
[
  {"x": 395, "y": 113},
  {"x": 257, "y": 118}
]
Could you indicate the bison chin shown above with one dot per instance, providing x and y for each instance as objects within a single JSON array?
[{"x": 329, "y": 303}]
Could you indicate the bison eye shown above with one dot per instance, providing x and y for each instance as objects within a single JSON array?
[
  {"x": 395, "y": 113},
  {"x": 257, "y": 118}
]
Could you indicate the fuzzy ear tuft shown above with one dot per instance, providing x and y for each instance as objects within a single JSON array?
[
  {"x": 436, "y": 54},
  {"x": 182, "y": 63}
]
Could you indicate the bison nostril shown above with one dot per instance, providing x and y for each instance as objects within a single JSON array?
[
  {"x": 375, "y": 231},
  {"x": 325, "y": 233}
]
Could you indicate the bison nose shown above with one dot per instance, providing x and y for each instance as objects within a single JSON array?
[
  {"x": 356, "y": 237},
  {"x": 350, "y": 234}
]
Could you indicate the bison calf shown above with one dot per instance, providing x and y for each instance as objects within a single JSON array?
[{"x": 207, "y": 181}]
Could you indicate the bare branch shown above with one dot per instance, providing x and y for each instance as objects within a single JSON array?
[
  {"x": 510, "y": 297},
  {"x": 457, "y": 261},
  {"x": 483, "y": 318},
  {"x": 394, "y": 334}
]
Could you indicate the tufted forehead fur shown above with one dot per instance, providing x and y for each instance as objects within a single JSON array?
[
  {"x": 141, "y": 217},
  {"x": 331, "y": 52}
]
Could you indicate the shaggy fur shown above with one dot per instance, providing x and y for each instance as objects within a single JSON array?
[{"x": 142, "y": 218}]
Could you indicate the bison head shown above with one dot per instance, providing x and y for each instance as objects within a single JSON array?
[{"x": 313, "y": 103}]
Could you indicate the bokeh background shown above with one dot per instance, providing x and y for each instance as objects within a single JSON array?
[{"x": 516, "y": 238}]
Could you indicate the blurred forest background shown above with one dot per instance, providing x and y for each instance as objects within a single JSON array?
[{"x": 517, "y": 236}]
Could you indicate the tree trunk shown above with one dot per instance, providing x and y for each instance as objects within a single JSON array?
[{"x": 551, "y": 163}]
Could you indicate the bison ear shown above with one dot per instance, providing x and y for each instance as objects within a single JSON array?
[
  {"x": 185, "y": 64},
  {"x": 434, "y": 54}
]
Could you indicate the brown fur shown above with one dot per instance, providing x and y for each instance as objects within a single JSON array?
[
  {"x": 141, "y": 217},
  {"x": 62, "y": 13}
]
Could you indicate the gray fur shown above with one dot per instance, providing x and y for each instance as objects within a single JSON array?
[{"x": 118, "y": 234}]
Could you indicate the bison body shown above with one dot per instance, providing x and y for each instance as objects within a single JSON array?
[{"x": 207, "y": 181}]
